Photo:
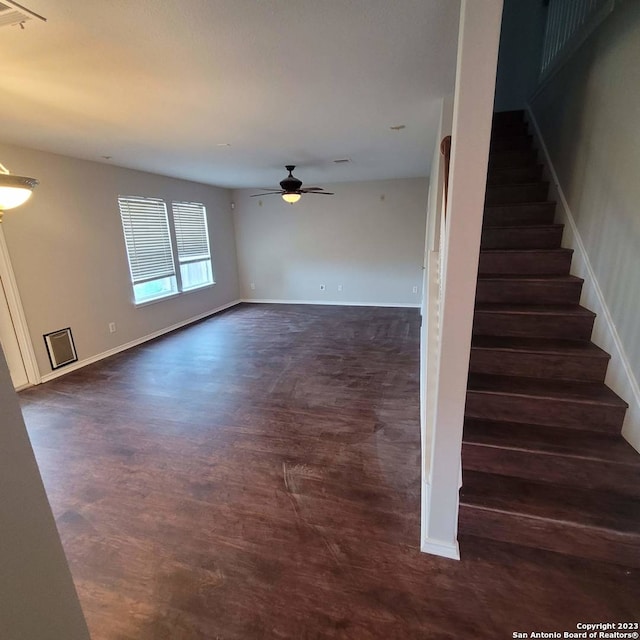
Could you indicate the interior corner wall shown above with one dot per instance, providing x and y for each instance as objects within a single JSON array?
[
  {"x": 37, "y": 596},
  {"x": 67, "y": 251},
  {"x": 588, "y": 117},
  {"x": 368, "y": 239},
  {"x": 521, "y": 35}
]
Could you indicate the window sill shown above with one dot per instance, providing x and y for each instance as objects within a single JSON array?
[{"x": 169, "y": 296}]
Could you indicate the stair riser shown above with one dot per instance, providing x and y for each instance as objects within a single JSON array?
[
  {"x": 516, "y": 158},
  {"x": 518, "y": 292},
  {"x": 506, "y": 129},
  {"x": 521, "y": 237},
  {"x": 508, "y": 117},
  {"x": 507, "y": 175},
  {"x": 502, "y": 142},
  {"x": 574, "y": 540},
  {"x": 504, "y": 194},
  {"x": 534, "y": 365},
  {"x": 532, "y": 325},
  {"x": 525, "y": 263},
  {"x": 514, "y": 215},
  {"x": 550, "y": 412},
  {"x": 555, "y": 469}
]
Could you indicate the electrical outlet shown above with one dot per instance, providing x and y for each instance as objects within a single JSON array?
[
  {"x": 322, "y": 287},
  {"x": 112, "y": 327},
  {"x": 339, "y": 287},
  {"x": 415, "y": 289},
  {"x": 253, "y": 286}
]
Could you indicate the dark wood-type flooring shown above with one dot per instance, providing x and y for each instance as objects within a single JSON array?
[{"x": 257, "y": 476}]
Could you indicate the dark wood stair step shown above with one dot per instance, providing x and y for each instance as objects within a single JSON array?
[
  {"x": 517, "y": 192},
  {"x": 548, "y": 454},
  {"x": 563, "y": 403},
  {"x": 527, "y": 213},
  {"x": 538, "y": 358},
  {"x": 529, "y": 289},
  {"x": 517, "y": 157},
  {"x": 525, "y": 261},
  {"x": 516, "y": 128},
  {"x": 572, "y": 322},
  {"x": 503, "y": 141},
  {"x": 508, "y": 117},
  {"x": 508, "y": 175},
  {"x": 577, "y": 522},
  {"x": 545, "y": 236}
]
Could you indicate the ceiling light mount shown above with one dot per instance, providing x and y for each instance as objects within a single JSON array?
[
  {"x": 14, "y": 190},
  {"x": 291, "y": 188}
]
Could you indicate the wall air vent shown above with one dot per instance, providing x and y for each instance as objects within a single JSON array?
[
  {"x": 60, "y": 348},
  {"x": 12, "y": 13}
]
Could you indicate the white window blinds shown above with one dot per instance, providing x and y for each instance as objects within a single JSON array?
[
  {"x": 146, "y": 233},
  {"x": 192, "y": 237}
]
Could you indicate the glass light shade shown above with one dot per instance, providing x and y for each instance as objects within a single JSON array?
[
  {"x": 11, "y": 197},
  {"x": 14, "y": 190},
  {"x": 291, "y": 197}
]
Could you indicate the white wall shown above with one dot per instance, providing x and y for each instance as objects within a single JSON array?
[
  {"x": 369, "y": 238},
  {"x": 69, "y": 258},
  {"x": 37, "y": 596},
  {"x": 521, "y": 35},
  {"x": 588, "y": 115}
]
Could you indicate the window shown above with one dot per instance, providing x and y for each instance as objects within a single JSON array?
[
  {"x": 192, "y": 238},
  {"x": 152, "y": 256}
]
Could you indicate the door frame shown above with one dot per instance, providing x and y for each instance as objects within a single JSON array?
[{"x": 17, "y": 313}]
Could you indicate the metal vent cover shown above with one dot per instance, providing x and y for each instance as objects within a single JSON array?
[
  {"x": 13, "y": 13},
  {"x": 60, "y": 348}
]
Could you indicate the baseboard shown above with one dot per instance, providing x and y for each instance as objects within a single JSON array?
[
  {"x": 440, "y": 548},
  {"x": 620, "y": 376},
  {"x": 134, "y": 343},
  {"x": 338, "y": 303},
  {"x": 434, "y": 546}
]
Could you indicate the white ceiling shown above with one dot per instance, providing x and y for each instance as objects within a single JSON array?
[{"x": 158, "y": 84}]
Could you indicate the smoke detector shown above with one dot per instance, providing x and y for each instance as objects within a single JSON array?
[{"x": 12, "y": 13}]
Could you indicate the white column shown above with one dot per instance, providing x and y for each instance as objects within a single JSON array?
[{"x": 478, "y": 40}]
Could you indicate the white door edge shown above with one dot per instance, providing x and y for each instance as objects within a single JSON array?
[{"x": 17, "y": 313}]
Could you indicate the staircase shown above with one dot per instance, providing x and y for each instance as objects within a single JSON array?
[{"x": 544, "y": 464}]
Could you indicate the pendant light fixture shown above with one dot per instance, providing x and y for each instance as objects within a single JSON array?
[{"x": 14, "y": 190}]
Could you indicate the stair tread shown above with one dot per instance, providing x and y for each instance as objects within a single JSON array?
[
  {"x": 573, "y": 443},
  {"x": 521, "y": 227},
  {"x": 562, "y": 390},
  {"x": 540, "y": 309},
  {"x": 529, "y": 277},
  {"x": 571, "y": 505},
  {"x": 556, "y": 250},
  {"x": 526, "y": 183},
  {"x": 536, "y": 164},
  {"x": 511, "y": 205},
  {"x": 559, "y": 346}
]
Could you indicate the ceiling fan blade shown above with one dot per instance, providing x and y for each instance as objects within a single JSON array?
[
  {"x": 321, "y": 193},
  {"x": 312, "y": 189},
  {"x": 268, "y": 193},
  {"x": 266, "y": 188}
]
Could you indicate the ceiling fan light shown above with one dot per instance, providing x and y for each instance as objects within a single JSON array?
[
  {"x": 11, "y": 197},
  {"x": 14, "y": 190},
  {"x": 291, "y": 198}
]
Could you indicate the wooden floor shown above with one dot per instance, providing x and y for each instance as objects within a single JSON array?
[{"x": 257, "y": 476}]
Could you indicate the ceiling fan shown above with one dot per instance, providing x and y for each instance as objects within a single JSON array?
[{"x": 292, "y": 190}]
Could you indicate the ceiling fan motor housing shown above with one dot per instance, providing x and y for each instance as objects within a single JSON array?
[{"x": 290, "y": 183}]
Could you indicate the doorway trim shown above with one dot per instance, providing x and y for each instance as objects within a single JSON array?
[{"x": 17, "y": 313}]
